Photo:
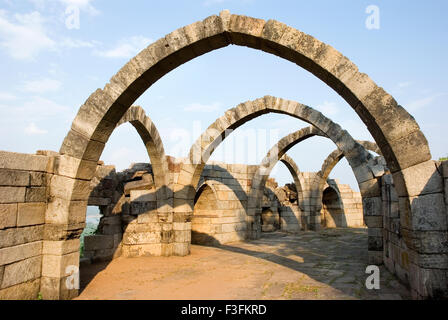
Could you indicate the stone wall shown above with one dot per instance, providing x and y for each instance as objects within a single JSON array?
[
  {"x": 345, "y": 210},
  {"x": 33, "y": 250},
  {"x": 395, "y": 253},
  {"x": 23, "y": 197}
]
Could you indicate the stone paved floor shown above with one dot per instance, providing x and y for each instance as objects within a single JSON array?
[{"x": 325, "y": 265}]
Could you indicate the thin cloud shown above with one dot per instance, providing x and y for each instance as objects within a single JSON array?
[
  {"x": 34, "y": 109},
  {"x": 76, "y": 43},
  {"x": 85, "y": 5},
  {"x": 32, "y": 129},
  {"x": 422, "y": 103},
  {"x": 41, "y": 86},
  {"x": 24, "y": 36},
  {"x": 126, "y": 48},
  {"x": 5, "y": 96},
  {"x": 198, "y": 107},
  {"x": 328, "y": 108}
]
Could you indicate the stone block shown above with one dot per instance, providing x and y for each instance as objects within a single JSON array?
[
  {"x": 14, "y": 178},
  {"x": 22, "y": 271},
  {"x": 21, "y": 161},
  {"x": 428, "y": 212},
  {"x": 57, "y": 266},
  {"x": 370, "y": 189},
  {"x": 16, "y": 236},
  {"x": 55, "y": 288},
  {"x": 23, "y": 291},
  {"x": 132, "y": 238},
  {"x": 179, "y": 226},
  {"x": 142, "y": 250},
  {"x": 69, "y": 189},
  {"x": 61, "y": 211},
  {"x": 60, "y": 247},
  {"x": 38, "y": 179},
  {"x": 12, "y": 194},
  {"x": 8, "y": 215},
  {"x": 139, "y": 185},
  {"x": 139, "y": 208},
  {"x": 36, "y": 194},
  {"x": 151, "y": 217},
  {"x": 426, "y": 242},
  {"x": 143, "y": 195},
  {"x": 182, "y": 236},
  {"x": 98, "y": 242},
  {"x": 29, "y": 214},
  {"x": 181, "y": 249},
  {"x": 429, "y": 283},
  {"x": 111, "y": 229},
  {"x": 423, "y": 178},
  {"x": 372, "y": 206},
  {"x": 20, "y": 252},
  {"x": 96, "y": 201}
]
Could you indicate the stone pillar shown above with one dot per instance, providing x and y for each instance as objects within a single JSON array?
[
  {"x": 423, "y": 223},
  {"x": 64, "y": 222}
]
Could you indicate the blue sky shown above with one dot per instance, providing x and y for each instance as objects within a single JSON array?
[{"x": 49, "y": 69}]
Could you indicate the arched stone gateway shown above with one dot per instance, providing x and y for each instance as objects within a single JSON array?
[
  {"x": 332, "y": 208},
  {"x": 313, "y": 189},
  {"x": 404, "y": 146},
  {"x": 153, "y": 143}
]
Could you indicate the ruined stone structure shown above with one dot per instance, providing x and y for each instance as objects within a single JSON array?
[{"x": 160, "y": 209}]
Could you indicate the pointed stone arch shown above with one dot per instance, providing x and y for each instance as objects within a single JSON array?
[
  {"x": 404, "y": 146},
  {"x": 150, "y": 136}
]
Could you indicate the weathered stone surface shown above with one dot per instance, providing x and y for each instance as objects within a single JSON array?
[
  {"x": 12, "y": 194},
  {"x": 423, "y": 178},
  {"x": 69, "y": 189},
  {"x": 21, "y": 271},
  {"x": 60, "y": 211},
  {"x": 143, "y": 195},
  {"x": 426, "y": 242},
  {"x": 98, "y": 242},
  {"x": 23, "y": 291},
  {"x": 38, "y": 179},
  {"x": 14, "y": 178},
  {"x": 60, "y": 247},
  {"x": 16, "y": 236},
  {"x": 428, "y": 212},
  {"x": 8, "y": 215},
  {"x": 29, "y": 214},
  {"x": 58, "y": 232},
  {"x": 21, "y": 161},
  {"x": 20, "y": 252},
  {"x": 36, "y": 194},
  {"x": 57, "y": 266}
]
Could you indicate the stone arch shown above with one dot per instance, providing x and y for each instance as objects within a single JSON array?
[
  {"x": 204, "y": 185},
  {"x": 294, "y": 170},
  {"x": 204, "y": 146},
  {"x": 332, "y": 205},
  {"x": 204, "y": 211},
  {"x": 153, "y": 143},
  {"x": 278, "y": 153},
  {"x": 286, "y": 143},
  {"x": 404, "y": 146},
  {"x": 333, "y": 159},
  {"x": 97, "y": 118}
]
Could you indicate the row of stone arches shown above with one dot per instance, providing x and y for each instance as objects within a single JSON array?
[{"x": 403, "y": 146}]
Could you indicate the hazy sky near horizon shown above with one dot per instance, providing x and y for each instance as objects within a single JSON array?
[{"x": 50, "y": 68}]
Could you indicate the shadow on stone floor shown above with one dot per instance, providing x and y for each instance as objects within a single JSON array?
[{"x": 335, "y": 257}]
